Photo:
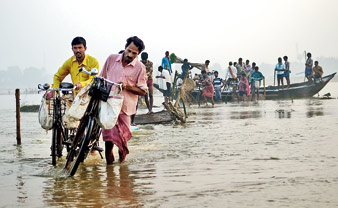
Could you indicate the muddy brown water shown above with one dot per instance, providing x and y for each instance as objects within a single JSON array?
[{"x": 264, "y": 154}]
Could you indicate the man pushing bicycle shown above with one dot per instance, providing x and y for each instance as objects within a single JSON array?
[{"x": 126, "y": 69}]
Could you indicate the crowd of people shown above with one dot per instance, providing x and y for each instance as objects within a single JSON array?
[{"x": 239, "y": 76}]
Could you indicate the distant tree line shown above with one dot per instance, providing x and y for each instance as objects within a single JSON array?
[{"x": 30, "y": 77}]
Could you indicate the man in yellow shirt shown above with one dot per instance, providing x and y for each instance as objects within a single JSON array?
[{"x": 74, "y": 63}]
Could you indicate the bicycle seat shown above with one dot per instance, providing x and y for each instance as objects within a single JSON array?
[{"x": 66, "y": 85}]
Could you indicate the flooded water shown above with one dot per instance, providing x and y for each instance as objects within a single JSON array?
[{"x": 264, "y": 154}]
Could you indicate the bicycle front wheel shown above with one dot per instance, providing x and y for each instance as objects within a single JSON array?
[{"x": 84, "y": 147}]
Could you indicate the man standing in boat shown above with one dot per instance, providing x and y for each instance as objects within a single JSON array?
[
  {"x": 308, "y": 68},
  {"x": 186, "y": 67},
  {"x": 166, "y": 62},
  {"x": 125, "y": 69},
  {"x": 287, "y": 70},
  {"x": 240, "y": 66},
  {"x": 74, "y": 63},
  {"x": 280, "y": 68}
]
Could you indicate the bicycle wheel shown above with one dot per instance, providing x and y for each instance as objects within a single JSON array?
[
  {"x": 59, "y": 138},
  {"x": 84, "y": 147},
  {"x": 76, "y": 143}
]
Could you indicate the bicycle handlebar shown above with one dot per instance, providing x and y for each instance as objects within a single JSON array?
[
  {"x": 45, "y": 87},
  {"x": 94, "y": 72}
]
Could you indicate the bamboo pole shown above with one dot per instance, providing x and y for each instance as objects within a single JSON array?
[
  {"x": 264, "y": 86},
  {"x": 18, "y": 131}
]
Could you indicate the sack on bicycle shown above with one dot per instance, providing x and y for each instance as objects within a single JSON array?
[
  {"x": 46, "y": 118},
  {"x": 109, "y": 111},
  {"x": 69, "y": 122},
  {"x": 79, "y": 106}
]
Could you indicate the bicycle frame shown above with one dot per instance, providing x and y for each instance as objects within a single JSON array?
[
  {"x": 88, "y": 133},
  {"x": 59, "y": 132}
]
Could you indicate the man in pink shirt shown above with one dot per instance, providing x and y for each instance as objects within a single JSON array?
[{"x": 126, "y": 69}]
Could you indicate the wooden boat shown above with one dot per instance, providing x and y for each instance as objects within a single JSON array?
[
  {"x": 163, "y": 116},
  {"x": 295, "y": 91}
]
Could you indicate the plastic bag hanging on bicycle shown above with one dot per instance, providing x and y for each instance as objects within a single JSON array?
[
  {"x": 109, "y": 111},
  {"x": 45, "y": 118}
]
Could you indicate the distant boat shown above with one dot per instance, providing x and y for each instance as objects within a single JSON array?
[{"x": 295, "y": 91}]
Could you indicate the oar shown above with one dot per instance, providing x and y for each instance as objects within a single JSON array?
[
  {"x": 274, "y": 78},
  {"x": 305, "y": 65}
]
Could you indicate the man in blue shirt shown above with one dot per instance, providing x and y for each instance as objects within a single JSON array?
[
  {"x": 255, "y": 81},
  {"x": 185, "y": 68},
  {"x": 280, "y": 68},
  {"x": 166, "y": 62}
]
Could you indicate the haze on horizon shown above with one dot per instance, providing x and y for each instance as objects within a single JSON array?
[{"x": 37, "y": 33}]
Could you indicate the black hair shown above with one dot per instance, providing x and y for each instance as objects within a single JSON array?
[
  {"x": 285, "y": 57},
  {"x": 207, "y": 62},
  {"x": 253, "y": 63},
  {"x": 160, "y": 68},
  {"x": 316, "y": 62},
  {"x": 215, "y": 72},
  {"x": 235, "y": 63},
  {"x": 230, "y": 63},
  {"x": 121, "y": 51},
  {"x": 185, "y": 60},
  {"x": 247, "y": 61},
  {"x": 203, "y": 72},
  {"x": 256, "y": 67},
  {"x": 144, "y": 56},
  {"x": 279, "y": 58},
  {"x": 79, "y": 40},
  {"x": 240, "y": 59},
  {"x": 308, "y": 54},
  {"x": 137, "y": 41}
]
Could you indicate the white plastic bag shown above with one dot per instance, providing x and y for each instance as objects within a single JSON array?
[
  {"x": 109, "y": 111},
  {"x": 256, "y": 84},
  {"x": 80, "y": 103},
  {"x": 45, "y": 120}
]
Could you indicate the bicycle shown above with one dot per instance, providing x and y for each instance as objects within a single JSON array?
[
  {"x": 60, "y": 135},
  {"x": 230, "y": 88},
  {"x": 88, "y": 133}
]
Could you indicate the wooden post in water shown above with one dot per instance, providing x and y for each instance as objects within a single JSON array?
[{"x": 18, "y": 131}]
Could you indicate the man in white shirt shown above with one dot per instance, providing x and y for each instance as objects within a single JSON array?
[
  {"x": 164, "y": 74},
  {"x": 231, "y": 72}
]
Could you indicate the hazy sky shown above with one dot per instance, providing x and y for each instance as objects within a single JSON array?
[{"x": 38, "y": 33}]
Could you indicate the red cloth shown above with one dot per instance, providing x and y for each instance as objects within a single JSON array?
[
  {"x": 208, "y": 91},
  {"x": 119, "y": 135}
]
